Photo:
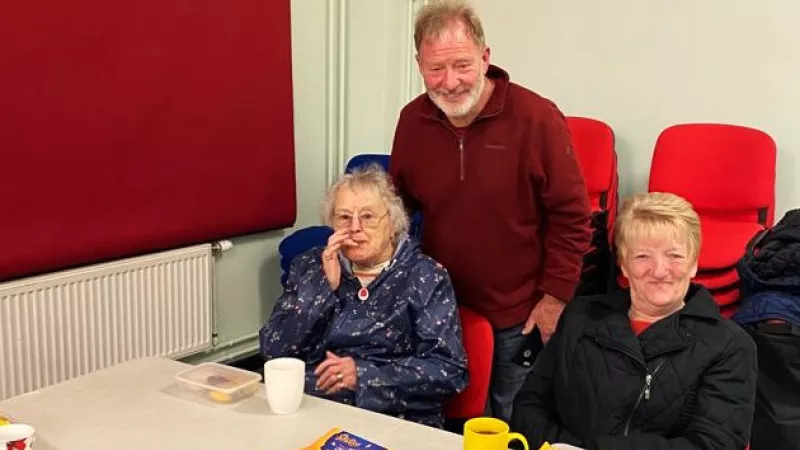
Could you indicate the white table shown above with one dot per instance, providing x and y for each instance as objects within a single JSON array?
[{"x": 137, "y": 406}]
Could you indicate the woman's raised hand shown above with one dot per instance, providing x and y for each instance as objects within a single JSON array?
[{"x": 330, "y": 259}]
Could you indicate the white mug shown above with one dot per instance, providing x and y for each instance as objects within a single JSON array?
[
  {"x": 20, "y": 435},
  {"x": 284, "y": 380}
]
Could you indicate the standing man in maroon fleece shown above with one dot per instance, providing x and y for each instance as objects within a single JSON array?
[{"x": 504, "y": 206}]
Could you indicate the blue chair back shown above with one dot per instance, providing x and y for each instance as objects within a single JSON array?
[
  {"x": 300, "y": 242},
  {"x": 366, "y": 159}
]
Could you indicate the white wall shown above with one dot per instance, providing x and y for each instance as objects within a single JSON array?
[
  {"x": 644, "y": 65},
  {"x": 380, "y": 71}
]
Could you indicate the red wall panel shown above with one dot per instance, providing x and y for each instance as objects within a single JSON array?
[{"x": 130, "y": 127}]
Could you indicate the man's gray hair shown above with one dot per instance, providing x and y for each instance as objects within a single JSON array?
[
  {"x": 437, "y": 16},
  {"x": 370, "y": 177}
]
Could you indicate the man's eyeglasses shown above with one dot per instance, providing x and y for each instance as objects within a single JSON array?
[{"x": 367, "y": 219}]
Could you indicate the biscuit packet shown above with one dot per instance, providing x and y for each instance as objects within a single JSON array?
[{"x": 338, "y": 439}]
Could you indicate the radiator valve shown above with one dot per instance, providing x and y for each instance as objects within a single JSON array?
[{"x": 220, "y": 247}]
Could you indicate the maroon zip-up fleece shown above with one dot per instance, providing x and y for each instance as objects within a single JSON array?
[{"x": 504, "y": 205}]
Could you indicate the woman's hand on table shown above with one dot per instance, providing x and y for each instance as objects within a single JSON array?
[{"x": 336, "y": 373}]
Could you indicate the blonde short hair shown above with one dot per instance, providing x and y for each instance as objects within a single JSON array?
[
  {"x": 654, "y": 214},
  {"x": 370, "y": 177},
  {"x": 436, "y": 17}
]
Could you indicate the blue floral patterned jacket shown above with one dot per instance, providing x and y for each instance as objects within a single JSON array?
[{"x": 405, "y": 337}]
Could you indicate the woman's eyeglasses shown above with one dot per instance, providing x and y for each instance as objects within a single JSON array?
[{"x": 367, "y": 219}]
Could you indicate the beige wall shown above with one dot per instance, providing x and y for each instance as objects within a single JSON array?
[{"x": 644, "y": 65}]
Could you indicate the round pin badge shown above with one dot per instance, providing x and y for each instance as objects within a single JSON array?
[{"x": 363, "y": 294}]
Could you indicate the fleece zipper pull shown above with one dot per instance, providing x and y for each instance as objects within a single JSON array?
[{"x": 461, "y": 157}]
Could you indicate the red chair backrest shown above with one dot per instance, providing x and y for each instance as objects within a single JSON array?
[
  {"x": 725, "y": 171},
  {"x": 593, "y": 143},
  {"x": 478, "y": 339}
]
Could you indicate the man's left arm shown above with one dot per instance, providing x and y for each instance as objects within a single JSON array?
[{"x": 567, "y": 215}]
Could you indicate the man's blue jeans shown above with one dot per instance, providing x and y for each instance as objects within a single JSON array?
[{"x": 507, "y": 377}]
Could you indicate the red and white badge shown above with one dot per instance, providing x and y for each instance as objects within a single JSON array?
[{"x": 363, "y": 294}]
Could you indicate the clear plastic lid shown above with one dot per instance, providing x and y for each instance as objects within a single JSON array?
[{"x": 218, "y": 377}]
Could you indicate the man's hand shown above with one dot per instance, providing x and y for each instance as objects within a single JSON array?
[
  {"x": 335, "y": 374},
  {"x": 545, "y": 315}
]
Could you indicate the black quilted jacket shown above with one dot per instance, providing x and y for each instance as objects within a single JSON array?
[{"x": 687, "y": 382}]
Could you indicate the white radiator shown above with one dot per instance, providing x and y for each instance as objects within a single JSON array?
[{"x": 58, "y": 326}]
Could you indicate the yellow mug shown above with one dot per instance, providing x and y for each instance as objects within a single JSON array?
[{"x": 486, "y": 433}]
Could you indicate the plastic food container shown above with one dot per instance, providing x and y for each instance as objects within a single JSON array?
[{"x": 218, "y": 383}]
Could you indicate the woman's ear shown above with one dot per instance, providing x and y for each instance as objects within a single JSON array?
[
  {"x": 693, "y": 270},
  {"x": 622, "y": 266}
]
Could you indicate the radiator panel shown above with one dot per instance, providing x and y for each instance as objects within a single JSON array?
[{"x": 59, "y": 326}]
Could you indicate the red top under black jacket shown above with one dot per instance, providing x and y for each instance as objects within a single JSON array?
[{"x": 504, "y": 206}]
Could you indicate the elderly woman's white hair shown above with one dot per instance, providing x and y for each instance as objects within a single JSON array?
[{"x": 371, "y": 177}]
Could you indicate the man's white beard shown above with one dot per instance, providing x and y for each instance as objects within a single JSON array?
[{"x": 465, "y": 107}]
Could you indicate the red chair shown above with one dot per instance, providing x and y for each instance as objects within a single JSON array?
[
  {"x": 727, "y": 172},
  {"x": 593, "y": 143},
  {"x": 717, "y": 279},
  {"x": 478, "y": 338},
  {"x": 726, "y": 297}
]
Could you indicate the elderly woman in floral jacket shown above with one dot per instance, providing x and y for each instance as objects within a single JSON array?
[{"x": 374, "y": 319}]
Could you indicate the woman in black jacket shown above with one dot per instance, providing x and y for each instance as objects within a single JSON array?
[{"x": 652, "y": 367}]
